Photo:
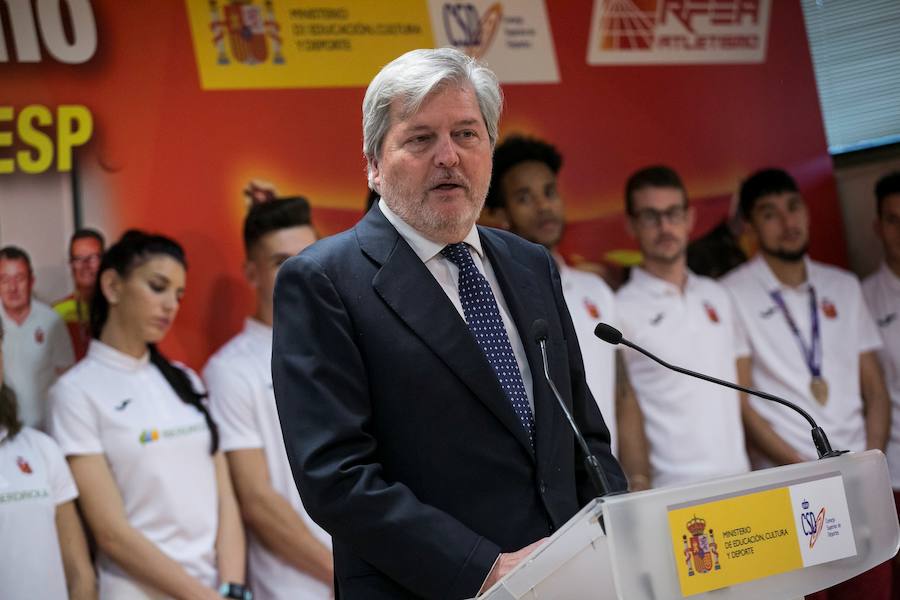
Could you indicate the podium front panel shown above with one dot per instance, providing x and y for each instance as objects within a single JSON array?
[{"x": 829, "y": 540}]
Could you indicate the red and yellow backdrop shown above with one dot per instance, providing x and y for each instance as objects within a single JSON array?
[{"x": 173, "y": 156}]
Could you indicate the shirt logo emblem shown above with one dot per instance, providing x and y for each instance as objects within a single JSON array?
[
  {"x": 591, "y": 308},
  {"x": 149, "y": 435},
  {"x": 886, "y": 319},
  {"x": 122, "y": 405},
  {"x": 711, "y": 312},
  {"x": 656, "y": 320},
  {"x": 768, "y": 312},
  {"x": 39, "y": 335},
  {"x": 23, "y": 465},
  {"x": 829, "y": 309}
]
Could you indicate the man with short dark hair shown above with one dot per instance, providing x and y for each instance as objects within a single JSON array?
[
  {"x": 36, "y": 347},
  {"x": 524, "y": 195},
  {"x": 289, "y": 556},
  {"x": 693, "y": 428},
  {"x": 407, "y": 374},
  {"x": 813, "y": 341},
  {"x": 85, "y": 251}
]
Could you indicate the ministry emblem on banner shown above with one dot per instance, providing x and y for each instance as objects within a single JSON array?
[{"x": 245, "y": 32}]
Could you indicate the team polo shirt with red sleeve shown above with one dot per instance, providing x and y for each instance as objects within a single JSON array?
[
  {"x": 693, "y": 427},
  {"x": 779, "y": 364},
  {"x": 158, "y": 451},
  {"x": 882, "y": 293},
  {"x": 590, "y": 301},
  {"x": 34, "y": 480},
  {"x": 239, "y": 379}
]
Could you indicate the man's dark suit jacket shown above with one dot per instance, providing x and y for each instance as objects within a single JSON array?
[{"x": 401, "y": 440}]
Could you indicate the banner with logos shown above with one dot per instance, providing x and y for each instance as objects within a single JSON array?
[
  {"x": 724, "y": 542},
  {"x": 260, "y": 44},
  {"x": 158, "y": 114}
]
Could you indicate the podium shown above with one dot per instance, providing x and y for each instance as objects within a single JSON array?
[{"x": 776, "y": 533}]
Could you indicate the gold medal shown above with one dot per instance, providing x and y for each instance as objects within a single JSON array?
[{"x": 819, "y": 389}]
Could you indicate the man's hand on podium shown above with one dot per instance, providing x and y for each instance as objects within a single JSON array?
[{"x": 506, "y": 563}]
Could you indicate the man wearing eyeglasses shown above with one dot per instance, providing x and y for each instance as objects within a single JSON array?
[
  {"x": 85, "y": 251},
  {"x": 36, "y": 349},
  {"x": 693, "y": 428}
]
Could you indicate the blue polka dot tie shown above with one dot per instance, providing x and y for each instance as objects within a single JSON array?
[{"x": 483, "y": 317}]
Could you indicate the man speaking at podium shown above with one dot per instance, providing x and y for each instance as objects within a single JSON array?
[{"x": 417, "y": 421}]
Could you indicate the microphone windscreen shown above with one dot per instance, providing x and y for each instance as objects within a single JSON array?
[
  {"x": 539, "y": 330},
  {"x": 608, "y": 333}
]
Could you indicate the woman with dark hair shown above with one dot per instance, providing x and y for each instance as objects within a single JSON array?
[
  {"x": 155, "y": 490},
  {"x": 44, "y": 553}
]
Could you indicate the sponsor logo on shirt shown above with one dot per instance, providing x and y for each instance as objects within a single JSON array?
[
  {"x": 123, "y": 404},
  {"x": 154, "y": 435},
  {"x": 39, "y": 335},
  {"x": 886, "y": 319},
  {"x": 23, "y": 465},
  {"x": 829, "y": 309},
  {"x": 149, "y": 435},
  {"x": 768, "y": 312},
  {"x": 711, "y": 312},
  {"x": 591, "y": 308},
  {"x": 23, "y": 495}
]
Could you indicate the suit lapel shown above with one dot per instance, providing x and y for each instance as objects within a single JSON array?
[
  {"x": 406, "y": 285},
  {"x": 525, "y": 305}
]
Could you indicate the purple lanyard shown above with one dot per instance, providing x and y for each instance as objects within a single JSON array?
[{"x": 812, "y": 353}]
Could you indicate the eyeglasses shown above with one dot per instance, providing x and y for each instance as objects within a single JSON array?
[
  {"x": 650, "y": 217},
  {"x": 89, "y": 259}
]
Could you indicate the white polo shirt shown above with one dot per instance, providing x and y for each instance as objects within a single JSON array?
[
  {"x": 33, "y": 355},
  {"x": 156, "y": 446},
  {"x": 779, "y": 365},
  {"x": 693, "y": 427},
  {"x": 34, "y": 480},
  {"x": 590, "y": 301},
  {"x": 881, "y": 290},
  {"x": 239, "y": 379}
]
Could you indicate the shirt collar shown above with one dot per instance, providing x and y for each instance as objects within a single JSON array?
[
  {"x": 257, "y": 329},
  {"x": 424, "y": 248},
  {"x": 658, "y": 286},
  {"x": 8, "y": 321},
  {"x": 771, "y": 283},
  {"x": 890, "y": 278},
  {"x": 108, "y": 355}
]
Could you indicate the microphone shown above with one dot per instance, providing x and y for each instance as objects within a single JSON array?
[
  {"x": 595, "y": 471},
  {"x": 611, "y": 335}
]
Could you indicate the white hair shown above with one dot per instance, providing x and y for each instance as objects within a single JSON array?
[{"x": 415, "y": 75}]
